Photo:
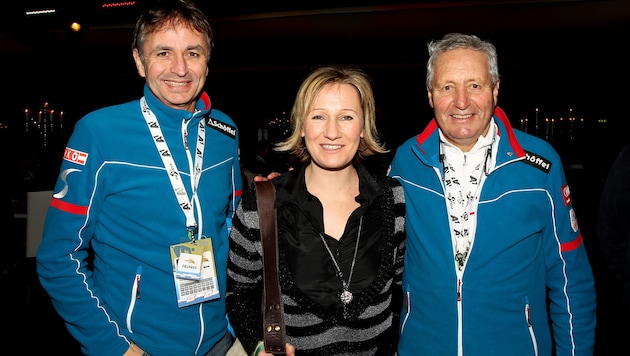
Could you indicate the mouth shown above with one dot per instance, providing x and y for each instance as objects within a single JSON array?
[
  {"x": 331, "y": 147},
  {"x": 176, "y": 84},
  {"x": 462, "y": 117}
]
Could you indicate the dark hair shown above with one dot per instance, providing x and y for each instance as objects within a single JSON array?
[{"x": 170, "y": 13}]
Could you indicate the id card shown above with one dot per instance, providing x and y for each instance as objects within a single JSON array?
[{"x": 194, "y": 272}]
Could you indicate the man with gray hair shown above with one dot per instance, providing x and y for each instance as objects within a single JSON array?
[{"x": 495, "y": 263}]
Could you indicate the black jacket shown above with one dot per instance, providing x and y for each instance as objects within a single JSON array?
[
  {"x": 613, "y": 220},
  {"x": 317, "y": 324}
]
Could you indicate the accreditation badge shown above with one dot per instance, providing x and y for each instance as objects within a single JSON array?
[{"x": 194, "y": 272}]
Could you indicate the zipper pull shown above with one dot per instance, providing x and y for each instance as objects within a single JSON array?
[
  {"x": 137, "y": 286},
  {"x": 528, "y": 315}
]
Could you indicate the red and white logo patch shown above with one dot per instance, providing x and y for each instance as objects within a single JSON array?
[
  {"x": 573, "y": 218},
  {"x": 566, "y": 194},
  {"x": 75, "y": 156}
]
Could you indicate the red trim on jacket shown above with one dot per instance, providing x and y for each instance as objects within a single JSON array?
[
  {"x": 205, "y": 98},
  {"x": 432, "y": 126},
  {"x": 510, "y": 133},
  {"x": 68, "y": 208},
  {"x": 571, "y": 245},
  {"x": 428, "y": 131}
]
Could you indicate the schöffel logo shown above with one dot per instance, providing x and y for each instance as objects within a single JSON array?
[
  {"x": 537, "y": 161},
  {"x": 222, "y": 127}
]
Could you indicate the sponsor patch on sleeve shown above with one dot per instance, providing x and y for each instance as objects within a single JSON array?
[
  {"x": 537, "y": 161},
  {"x": 222, "y": 127},
  {"x": 75, "y": 156},
  {"x": 566, "y": 195},
  {"x": 574, "y": 222}
]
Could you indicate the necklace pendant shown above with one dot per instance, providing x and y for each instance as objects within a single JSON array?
[{"x": 346, "y": 297}]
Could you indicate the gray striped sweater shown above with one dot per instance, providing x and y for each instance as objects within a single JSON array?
[{"x": 370, "y": 324}]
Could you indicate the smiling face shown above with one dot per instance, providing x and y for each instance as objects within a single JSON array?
[
  {"x": 463, "y": 97},
  {"x": 175, "y": 65},
  {"x": 333, "y": 128}
]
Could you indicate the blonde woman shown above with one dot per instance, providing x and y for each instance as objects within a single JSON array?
[{"x": 340, "y": 230}]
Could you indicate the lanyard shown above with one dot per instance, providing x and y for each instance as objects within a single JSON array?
[{"x": 185, "y": 203}]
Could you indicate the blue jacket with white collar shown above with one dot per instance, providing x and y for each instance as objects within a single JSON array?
[
  {"x": 113, "y": 197},
  {"x": 527, "y": 276}
]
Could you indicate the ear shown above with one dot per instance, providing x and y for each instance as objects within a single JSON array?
[
  {"x": 495, "y": 93},
  {"x": 139, "y": 64},
  {"x": 430, "y": 96}
]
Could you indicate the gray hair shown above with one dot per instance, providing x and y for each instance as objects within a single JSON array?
[{"x": 453, "y": 41}]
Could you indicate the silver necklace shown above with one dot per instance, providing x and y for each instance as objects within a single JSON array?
[{"x": 345, "y": 296}]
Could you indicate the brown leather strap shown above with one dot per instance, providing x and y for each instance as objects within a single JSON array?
[{"x": 273, "y": 310}]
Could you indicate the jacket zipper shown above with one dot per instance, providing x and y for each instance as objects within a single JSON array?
[
  {"x": 530, "y": 328},
  {"x": 135, "y": 295}
]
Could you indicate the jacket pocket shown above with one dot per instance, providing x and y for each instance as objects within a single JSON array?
[
  {"x": 406, "y": 310},
  {"x": 530, "y": 328},
  {"x": 135, "y": 295}
]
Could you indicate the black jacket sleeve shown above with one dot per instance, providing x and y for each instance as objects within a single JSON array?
[{"x": 613, "y": 220}]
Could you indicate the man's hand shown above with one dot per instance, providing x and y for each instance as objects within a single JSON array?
[
  {"x": 271, "y": 176},
  {"x": 290, "y": 349},
  {"x": 134, "y": 350}
]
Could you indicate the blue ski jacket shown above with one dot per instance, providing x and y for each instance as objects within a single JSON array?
[
  {"x": 113, "y": 197},
  {"x": 527, "y": 276}
]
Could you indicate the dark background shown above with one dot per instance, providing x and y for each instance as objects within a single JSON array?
[
  {"x": 554, "y": 55},
  {"x": 564, "y": 57}
]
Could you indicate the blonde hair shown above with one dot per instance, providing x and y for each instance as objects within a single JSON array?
[{"x": 305, "y": 99}]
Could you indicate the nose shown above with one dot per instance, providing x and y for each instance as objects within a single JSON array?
[
  {"x": 331, "y": 131},
  {"x": 180, "y": 67},
  {"x": 461, "y": 99}
]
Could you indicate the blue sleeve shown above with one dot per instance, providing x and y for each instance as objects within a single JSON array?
[
  {"x": 62, "y": 257},
  {"x": 238, "y": 182},
  {"x": 569, "y": 276}
]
